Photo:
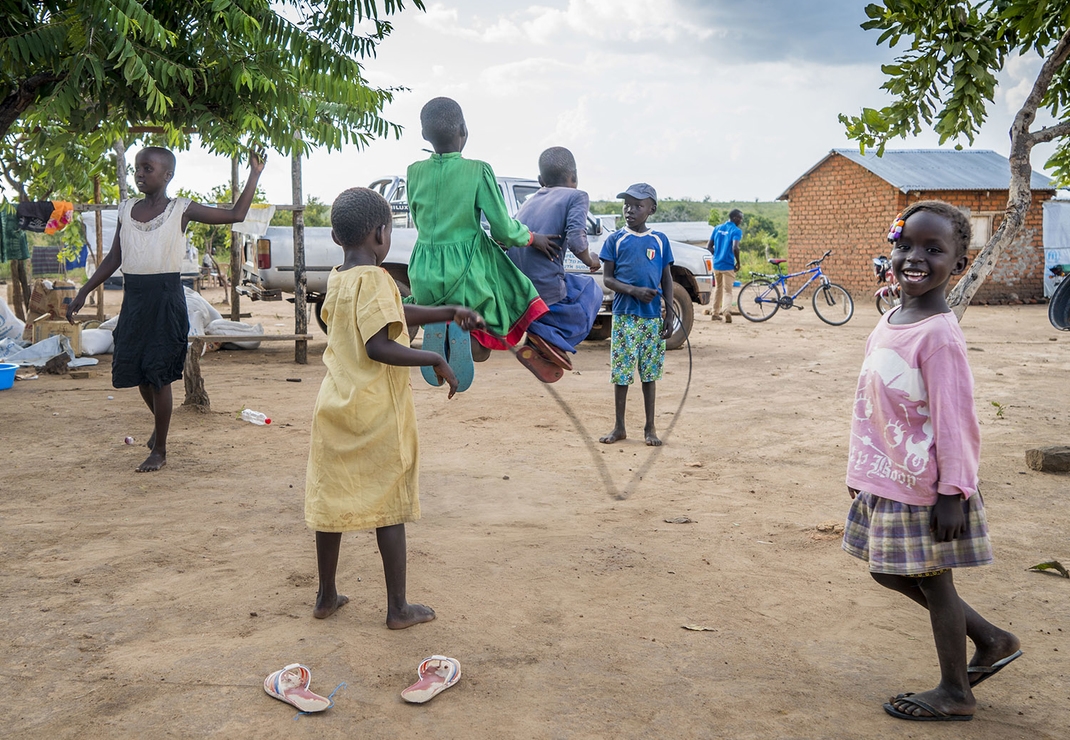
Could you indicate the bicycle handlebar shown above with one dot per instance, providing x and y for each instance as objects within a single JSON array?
[{"x": 820, "y": 260}]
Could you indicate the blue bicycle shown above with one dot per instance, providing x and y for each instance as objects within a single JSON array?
[{"x": 763, "y": 296}]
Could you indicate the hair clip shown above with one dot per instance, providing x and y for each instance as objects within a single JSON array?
[{"x": 897, "y": 228}]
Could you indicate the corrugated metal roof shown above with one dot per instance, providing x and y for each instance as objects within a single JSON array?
[{"x": 911, "y": 170}]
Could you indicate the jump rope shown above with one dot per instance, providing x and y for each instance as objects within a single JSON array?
[{"x": 596, "y": 448}]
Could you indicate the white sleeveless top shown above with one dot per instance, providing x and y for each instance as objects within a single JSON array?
[{"x": 156, "y": 246}]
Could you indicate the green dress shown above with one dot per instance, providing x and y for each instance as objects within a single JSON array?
[{"x": 454, "y": 262}]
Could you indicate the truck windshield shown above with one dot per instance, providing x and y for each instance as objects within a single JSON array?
[{"x": 523, "y": 192}]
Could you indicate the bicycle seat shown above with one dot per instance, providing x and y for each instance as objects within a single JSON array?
[{"x": 777, "y": 261}]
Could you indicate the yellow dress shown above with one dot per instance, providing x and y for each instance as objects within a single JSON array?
[{"x": 363, "y": 468}]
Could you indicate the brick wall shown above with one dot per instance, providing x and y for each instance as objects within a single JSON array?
[{"x": 846, "y": 208}]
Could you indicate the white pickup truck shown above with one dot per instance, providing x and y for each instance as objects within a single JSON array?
[{"x": 268, "y": 269}]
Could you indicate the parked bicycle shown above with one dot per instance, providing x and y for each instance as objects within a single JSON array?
[
  {"x": 887, "y": 296},
  {"x": 763, "y": 296}
]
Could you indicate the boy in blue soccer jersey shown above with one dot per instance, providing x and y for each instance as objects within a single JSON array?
[{"x": 636, "y": 266}]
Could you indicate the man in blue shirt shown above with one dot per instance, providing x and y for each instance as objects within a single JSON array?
[{"x": 724, "y": 243}]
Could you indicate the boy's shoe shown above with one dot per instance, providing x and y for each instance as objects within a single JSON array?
[
  {"x": 434, "y": 341},
  {"x": 549, "y": 351},
  {"x": 540, "y": 367},
  {"x": 728, "y": 318},
  {"x": 460, "y": 356}
]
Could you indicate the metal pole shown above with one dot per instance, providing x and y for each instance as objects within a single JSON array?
[
  {"x": 300, "y": 280},
  {"x": 100, "y": 245},
  {"x": 235, "y": 246}
]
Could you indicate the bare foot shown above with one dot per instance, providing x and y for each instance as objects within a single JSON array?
[
  {"x": 479, "y": 352},
  {"x": 156, "y": 460},
  {"x": 322, "y": 610},
  {"x": 651, "y": 438},
  {"x": 409, "y": 615},
  {"x": 615, "y": 436},
  {"x": 935, "y": 698},
  {"x": 1002, "y": 645},
  {"x": 152, "y": 440}
]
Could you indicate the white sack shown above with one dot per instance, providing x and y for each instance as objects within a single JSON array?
[
  {"x": 97, "y": 342},
  {"x": 11, "y": 326},
  {"x": 225, "y": 327}
]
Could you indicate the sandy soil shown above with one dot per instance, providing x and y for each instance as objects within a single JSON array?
[{"x": 154, "y": 605}]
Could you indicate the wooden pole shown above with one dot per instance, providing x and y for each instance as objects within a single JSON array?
[
  {"x": 100, "y": 244},
  {"x": 300, "y": 280},
  {"x": 235, "y": 247}
]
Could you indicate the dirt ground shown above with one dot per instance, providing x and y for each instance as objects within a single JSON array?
[{"x": 154, "y": 605}]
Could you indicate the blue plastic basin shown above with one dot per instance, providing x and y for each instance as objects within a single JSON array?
[{"x": 7, "y": 375}]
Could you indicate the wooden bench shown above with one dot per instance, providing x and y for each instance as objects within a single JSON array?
[{"x": 196, "y": 395}]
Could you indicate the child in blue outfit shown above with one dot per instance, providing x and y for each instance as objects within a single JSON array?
[
  {"x": 559, "y": 207},
  {"x": 636, "y": 266}
]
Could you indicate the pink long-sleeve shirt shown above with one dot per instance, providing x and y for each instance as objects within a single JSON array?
[{"x": 915, "y": 433}]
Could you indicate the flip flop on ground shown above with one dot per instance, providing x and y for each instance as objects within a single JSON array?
[
  {"x": 291, "y": 686},
  {"x": 540, "y": 367},
  {"x": 984, "y": 673},
  {"x": 437, "y": 674},
  {"x": 434, "y": 341},
  {"x": 935, "y": 715}
]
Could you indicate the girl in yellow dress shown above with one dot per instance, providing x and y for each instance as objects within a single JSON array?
[{"x": 363, "y": 468}]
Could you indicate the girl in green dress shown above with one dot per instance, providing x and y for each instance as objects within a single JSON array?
[{"x": 454, "y": 261}]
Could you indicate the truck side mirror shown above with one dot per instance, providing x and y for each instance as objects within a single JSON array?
[{"x": 594, "y": 227}]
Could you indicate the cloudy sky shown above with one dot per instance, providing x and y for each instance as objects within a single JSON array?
[{"x": 731, "y": 100}]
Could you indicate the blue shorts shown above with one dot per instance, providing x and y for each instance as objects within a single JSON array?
[{"x": 636, "y": 341}]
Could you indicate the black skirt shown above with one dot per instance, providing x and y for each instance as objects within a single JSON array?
[{"x": 151, "y": 336}]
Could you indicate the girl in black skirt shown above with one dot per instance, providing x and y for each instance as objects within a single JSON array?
[{"x": 151, "y": 336}]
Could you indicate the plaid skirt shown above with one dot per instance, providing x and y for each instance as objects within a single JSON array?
[{"x": 897, "y": 538}]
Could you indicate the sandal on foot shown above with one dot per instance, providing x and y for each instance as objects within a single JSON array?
[
  {"x": 935, "y": 715},
  {"x": 291, "y": 686},
  {"x": 434, "y": 341},
  {"x": 540, "y": 367},
  {"x": 986, "y": 672},
  {"x": 437, "y": 674},
  {"x": 460, "y": 356},
  {"x": 550, "y": 352}
]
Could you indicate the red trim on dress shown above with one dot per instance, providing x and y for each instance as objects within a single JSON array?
[{"x": 535, "y": 309}]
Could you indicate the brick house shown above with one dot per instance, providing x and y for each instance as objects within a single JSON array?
[{"x": 847, "y": 201}]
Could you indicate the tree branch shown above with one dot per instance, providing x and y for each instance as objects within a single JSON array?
[
  {"x": 15, "y": 104},
  {"x": 1028, "y": 111},
  {"x": 1049, "y": 133}
]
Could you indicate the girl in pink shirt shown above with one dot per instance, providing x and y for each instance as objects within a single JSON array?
[{"x": 912, "y": 468}]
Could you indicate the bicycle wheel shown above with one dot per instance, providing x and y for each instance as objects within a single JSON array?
[
  {"x": 886, "y": 302},
  {"x": 833, "y": 304},
  {"x": 758, "y": 300}
]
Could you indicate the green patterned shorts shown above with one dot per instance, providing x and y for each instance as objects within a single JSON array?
[{"x": 636, "y": 341}]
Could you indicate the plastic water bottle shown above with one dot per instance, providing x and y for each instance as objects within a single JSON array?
[{"x": 254, "y": 417}]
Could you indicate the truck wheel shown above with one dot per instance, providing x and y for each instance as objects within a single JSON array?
[
  {"x": 683, "y": 316},
  {"x": 317, "y": 309},
  {"x": 602, "y": 329}
]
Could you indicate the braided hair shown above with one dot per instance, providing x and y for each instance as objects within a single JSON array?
[
  {"x": 960, "y": 224},
  {"x": 356, "y": 213}
]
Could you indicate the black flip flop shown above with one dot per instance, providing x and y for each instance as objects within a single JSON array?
[
  {"x": 935, "y": 714},
  {"x": 986, "y": 672}
]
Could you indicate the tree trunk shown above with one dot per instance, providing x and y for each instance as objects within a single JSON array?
[
  {"x": 196, "y": 395},
  {"x": 24, "y": 96},
  {"x": 1020, "y": 196},
  {"x": 120, "y": 169}
]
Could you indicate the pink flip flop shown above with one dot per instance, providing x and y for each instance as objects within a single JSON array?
[
  {"x": 291, "y": 686},
  {"x": 437, "y": 674}
]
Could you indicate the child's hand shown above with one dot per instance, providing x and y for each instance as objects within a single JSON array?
[
  {"x": 666, "y": 327},
  {"x": 646, "y": 295},
  {"x": 74, "y": 307},
  {"x": 852, "y": 492},
  {"x": 948, "y": 522},
  {"x": 468, "y": 319},
  {"x": 546, "y": 244},
  {"x": 444, "y": 372},
  {"x": 256, "y": 162}
]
